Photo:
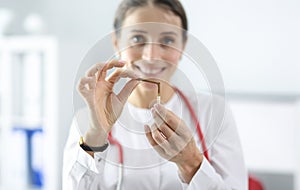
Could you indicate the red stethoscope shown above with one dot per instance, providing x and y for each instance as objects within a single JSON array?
[{"x": 198, "y": 129}]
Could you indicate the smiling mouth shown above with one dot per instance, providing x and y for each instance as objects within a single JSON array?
[{"x": 150, "y": 71}]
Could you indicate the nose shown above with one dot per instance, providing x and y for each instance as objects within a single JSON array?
[{"x": 151, "y": 51}]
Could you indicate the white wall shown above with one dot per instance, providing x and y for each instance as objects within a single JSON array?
[
  {"x": 269, "y": 132},
  {"x": 254, "y": 42}
]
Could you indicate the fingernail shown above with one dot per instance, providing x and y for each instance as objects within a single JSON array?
[
  {"x": 152, "y": 111},
  {"x": 157, "y": 107}
]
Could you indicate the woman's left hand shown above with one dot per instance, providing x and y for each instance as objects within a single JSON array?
[{"x": 174, "y": 141}]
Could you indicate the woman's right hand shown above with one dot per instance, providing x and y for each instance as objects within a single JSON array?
[{"x": 104, "y": 105}]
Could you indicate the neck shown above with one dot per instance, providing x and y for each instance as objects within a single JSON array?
[{"x": 145, "y": 98}]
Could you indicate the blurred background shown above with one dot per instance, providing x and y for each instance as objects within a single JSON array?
[{"x": 255, "y": 44}]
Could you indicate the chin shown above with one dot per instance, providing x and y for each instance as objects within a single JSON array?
[{"x": 148, "y": 86}]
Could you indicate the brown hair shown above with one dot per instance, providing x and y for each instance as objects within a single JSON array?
[{"x": 173, "y": 5}]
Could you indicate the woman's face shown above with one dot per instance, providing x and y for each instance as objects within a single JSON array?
[{"x": 151, "y": 42}]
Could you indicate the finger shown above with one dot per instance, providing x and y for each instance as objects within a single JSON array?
[
  {"x": 149, "y": 135},
  {"x": 108, "y": 66},
  {"x": 163, "y": 127},
  {"x": 121, "y": 73},
  {"x": 127, "y": 90},
  {"x": 88, "y": 82},
  {"x": 85, "y": 83},
  {"x": 91, "y": 72},
  {"x": 81, "y": 88},
  {"x": 157, "y": 135},
  {"x": 153, "y": 143},
  {"x": 174, "y": 138},
  {"x": 170, "y": 119}
]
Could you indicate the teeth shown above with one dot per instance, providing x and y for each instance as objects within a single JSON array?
[{"x": 148, "y": 71}]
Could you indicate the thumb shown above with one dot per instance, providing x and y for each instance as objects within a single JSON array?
[{"x": 127, "y": 90}]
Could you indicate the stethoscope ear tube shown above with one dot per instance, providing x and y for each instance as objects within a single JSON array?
[
  {"x": 121, "y": 159},
  {"x": 196, "y": 121},
  {"x": 119, "y": 146}
]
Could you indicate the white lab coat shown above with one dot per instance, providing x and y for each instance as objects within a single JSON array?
[{"x": 144, "y": 168}]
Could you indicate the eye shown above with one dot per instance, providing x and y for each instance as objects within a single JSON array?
[
  {"x": 167, "y": 40},
  {"x": 138, "y": 39}
]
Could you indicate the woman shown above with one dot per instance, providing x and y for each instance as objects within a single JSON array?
[{"x": 164, "y": 154}]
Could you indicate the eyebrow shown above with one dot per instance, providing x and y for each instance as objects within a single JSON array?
[
  {"x": 168, "y": 33},
  {"x": 163, "y": 33},
  {"x": 139, "y": 31}
]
